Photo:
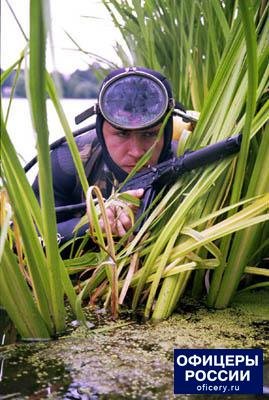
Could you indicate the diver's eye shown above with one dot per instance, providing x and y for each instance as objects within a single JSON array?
[
  {"x": 149, "y": 134},
  {"x": 122, "y": 134}
]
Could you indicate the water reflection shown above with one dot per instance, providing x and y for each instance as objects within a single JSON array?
[
  {"x": 8, "y": 333},
  {"x": 24, "y": 374},
  {"x": 90, "y": 391}
]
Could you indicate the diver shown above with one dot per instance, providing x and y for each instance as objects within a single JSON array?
[{"x": 132, "y": 105}]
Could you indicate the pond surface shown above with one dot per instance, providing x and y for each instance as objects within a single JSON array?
[{"x": 128, "y": 360}]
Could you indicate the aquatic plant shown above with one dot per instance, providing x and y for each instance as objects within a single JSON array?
[
  {"x": 215, "y": 55},
  {"x": 212, "y": 224},
  {"x": 33, "y": 279},
  {"x": 215, "y": 219}
]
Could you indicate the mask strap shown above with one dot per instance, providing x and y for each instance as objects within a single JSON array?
[
  {"x": 186, "y": 116},
  {"x": 87, "y": 114}
]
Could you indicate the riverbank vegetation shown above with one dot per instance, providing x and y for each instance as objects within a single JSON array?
[
  {"x": 80, "y": 84},
  {"x": 211, "y": 226}
]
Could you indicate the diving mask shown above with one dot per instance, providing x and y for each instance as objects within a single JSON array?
[{"x": 132, "y": 100}]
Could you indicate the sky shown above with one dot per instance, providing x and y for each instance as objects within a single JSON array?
[{"x": 95, "y": 34}]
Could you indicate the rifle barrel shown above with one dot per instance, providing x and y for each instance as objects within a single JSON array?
[
  {"x": 167, "y": 171},
  {"x": 211, "y": 153}
]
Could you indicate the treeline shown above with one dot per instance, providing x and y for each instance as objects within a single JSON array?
[{"x": 79, "y": 84}]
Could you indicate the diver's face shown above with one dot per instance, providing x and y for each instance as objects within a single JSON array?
[{"x": 127, "y": 147}]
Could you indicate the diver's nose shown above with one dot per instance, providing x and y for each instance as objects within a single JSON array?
[{"x": 136, "y": 146}]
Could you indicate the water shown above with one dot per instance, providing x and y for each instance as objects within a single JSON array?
[
  {"x": 8, "y": 333},
  {"x": 20, "y": 128},
  {"x": 26, "y": 373},
  {"x": 23, "y": 372},
  {"x": 125, "y": 360}
]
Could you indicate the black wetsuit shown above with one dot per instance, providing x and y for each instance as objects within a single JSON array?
[
  {"x": 100, "y": 168},
  {"x": 67, "y": 187}
]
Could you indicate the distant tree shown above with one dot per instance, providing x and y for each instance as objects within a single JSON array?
[
  {"x": 80, "y": 84},
  {"x": 85, "y": 90},
  {"x": 9, "y": 80},
  {"x": 60, "y": 82},
  {"x": 20, "y": 86}
]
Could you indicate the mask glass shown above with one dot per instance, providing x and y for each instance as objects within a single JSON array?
[{"x": 133, "y": 100}]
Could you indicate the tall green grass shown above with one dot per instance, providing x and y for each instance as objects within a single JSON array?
[
  {"x": 215, "y": 57},
  {"x": 213, "y": 221},
  {"x": 33, "y": 281}
]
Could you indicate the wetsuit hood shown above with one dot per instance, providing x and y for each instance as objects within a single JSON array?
[{"x": 166, "y": 152}]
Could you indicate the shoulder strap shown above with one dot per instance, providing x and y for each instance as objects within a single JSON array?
[
  {"x": 90, "y": 155},
  {"x": 95, "y": 154}
]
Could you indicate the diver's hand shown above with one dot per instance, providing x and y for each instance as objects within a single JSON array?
[{"x": 118, "y": 214}]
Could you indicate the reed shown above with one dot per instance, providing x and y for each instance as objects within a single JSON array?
[
  {"x": 211, "y": 222},
  {"x": 32, "y": 272},
  {"x": 215, "y": 57}
]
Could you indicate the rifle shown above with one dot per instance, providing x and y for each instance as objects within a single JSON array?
[{"x": 154, "y": 178}]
